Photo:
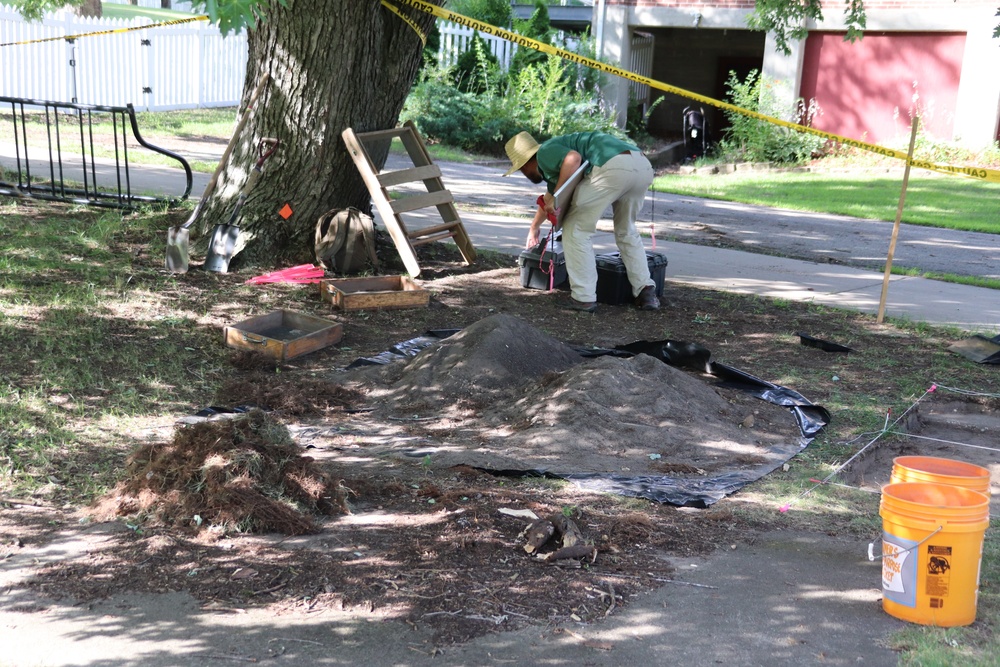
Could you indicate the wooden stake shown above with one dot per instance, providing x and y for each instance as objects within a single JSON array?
[{"x": 899, "y": 216}]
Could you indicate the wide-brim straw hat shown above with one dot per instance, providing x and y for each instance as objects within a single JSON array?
[{"x": 521, "y": 148}]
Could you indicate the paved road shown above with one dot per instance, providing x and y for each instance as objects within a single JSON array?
[
  {"x": 825, "y": 259},
  {"x": 814, "y": 237}
]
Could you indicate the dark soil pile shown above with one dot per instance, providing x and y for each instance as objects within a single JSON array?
[
  {"x": 542, "y": 406},
  {"x": 486, "y": 360},
  {"x": 245, "y": 474}
]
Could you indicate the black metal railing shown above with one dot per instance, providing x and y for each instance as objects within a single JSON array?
[{"x": 54, "y": 154}]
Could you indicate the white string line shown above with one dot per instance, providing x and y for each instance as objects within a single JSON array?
[
  {"x": 949, "y": 442},
  {"x": 885, "y": 429},
  {"x": 966, "y": 391}
]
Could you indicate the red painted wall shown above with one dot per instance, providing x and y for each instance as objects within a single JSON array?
[{"x": 860, "y": 86}]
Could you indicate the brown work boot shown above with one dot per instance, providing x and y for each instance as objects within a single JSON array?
[
  {"x": 569, "y": 303},
  {"x": 647, "y": 299}
]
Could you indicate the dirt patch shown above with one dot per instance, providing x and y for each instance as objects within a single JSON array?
[
  {"x": 434, "y": 552},
  {"x": 424, "y": 540},
  {"x": 964, "y": 429},
  {"x": 282, "y": 396}
]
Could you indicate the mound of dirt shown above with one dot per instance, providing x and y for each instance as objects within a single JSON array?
[
  {"x": 484, "y": 361},
  {"x": 244, "y": 474},
  {"x": 543, "y": 407}
]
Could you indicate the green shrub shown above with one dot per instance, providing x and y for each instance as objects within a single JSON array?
[
  {"x": 538, "y": 28},
  {"x": 477, "y": 70},
  {"x": 442, "y": 111},
  {"x": 752, "y": 140},
  {"x": 543, "y": 100},
  {"x": 476, "y": 106},
  {"x": 494, "y": 12}
]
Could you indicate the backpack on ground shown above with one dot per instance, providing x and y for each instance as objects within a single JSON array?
[{"x": 345, "y": 241}]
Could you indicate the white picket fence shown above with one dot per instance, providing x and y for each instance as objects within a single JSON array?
[
  {"x": 183, "y": 66},
  {"x": 456, "y": 40},
  {"x": 176, "y": 5}
]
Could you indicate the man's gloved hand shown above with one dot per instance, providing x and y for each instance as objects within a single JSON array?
[{"x": 547, "y": 205}]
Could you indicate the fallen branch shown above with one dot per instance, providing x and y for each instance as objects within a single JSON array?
[
  {"x": 665, "y": 581},
  {"x": 541, "y": 531},
  {"x": 538, "y": 533},
  {"x": 15, "y": 501},
  {"x": 611, "y": 607},
  {"x": 269, "y": 590},
  {"x": 442, "y": 613},
  {"x": 573, "y": 551},
  {"x": 231, "y": 657},
  {"x": 292, "y": 639},
  {"x": 685, "y": 583}
]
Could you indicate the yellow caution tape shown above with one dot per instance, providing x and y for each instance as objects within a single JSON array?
[
  {"x": 70, "y": 38},
  {"x": 410, "y": 22},
  {"x": 980, "y": 173}
]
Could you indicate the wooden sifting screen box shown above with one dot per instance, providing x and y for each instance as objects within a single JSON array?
[
  {"x": 374, "y": 293},
  {"x": 284, "y": 334}
]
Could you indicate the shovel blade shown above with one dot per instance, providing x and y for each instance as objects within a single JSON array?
[
  {"x": 178, "y": 245},
  {"x": 221, "y": 247}
]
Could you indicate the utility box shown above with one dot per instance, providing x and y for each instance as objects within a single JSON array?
[
  {"x": 544, "y": 267},
  {"x": 613, "y": 286}
]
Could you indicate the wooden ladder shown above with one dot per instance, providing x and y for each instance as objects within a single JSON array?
[{"x": 391, "y": 210}]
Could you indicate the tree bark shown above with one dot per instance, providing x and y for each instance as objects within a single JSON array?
[
  {"x": 333, "y": 64},
  {"x": 91, "y": 9}
]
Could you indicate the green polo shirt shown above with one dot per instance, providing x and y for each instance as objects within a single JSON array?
[{"x": 595, "y": 147}]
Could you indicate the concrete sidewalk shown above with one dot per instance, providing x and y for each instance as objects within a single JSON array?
[
  {"x": 975, "y": 309},
  {"x": 791, "y": 598}
]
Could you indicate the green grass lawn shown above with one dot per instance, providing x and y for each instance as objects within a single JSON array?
[
  {"x": 952, "y": 202},
  {"x": 128, "y": 12}
]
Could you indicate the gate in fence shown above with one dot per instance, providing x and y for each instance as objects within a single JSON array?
[{"x": 75, "y": 153}]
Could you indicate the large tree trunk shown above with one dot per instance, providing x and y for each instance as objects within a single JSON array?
[
  {"x": 91, "y": 9},
  {"x": 333, "y": 64}
]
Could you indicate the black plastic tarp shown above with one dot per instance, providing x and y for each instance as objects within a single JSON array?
[{"x": 680, "y": 491}]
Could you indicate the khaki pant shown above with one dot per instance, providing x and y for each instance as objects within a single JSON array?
[{"x": 622, "y": 184}]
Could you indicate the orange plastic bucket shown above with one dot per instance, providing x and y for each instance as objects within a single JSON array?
[
  {"x": 934, "y": 470},
  {"x": 932, "y": 546}
]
